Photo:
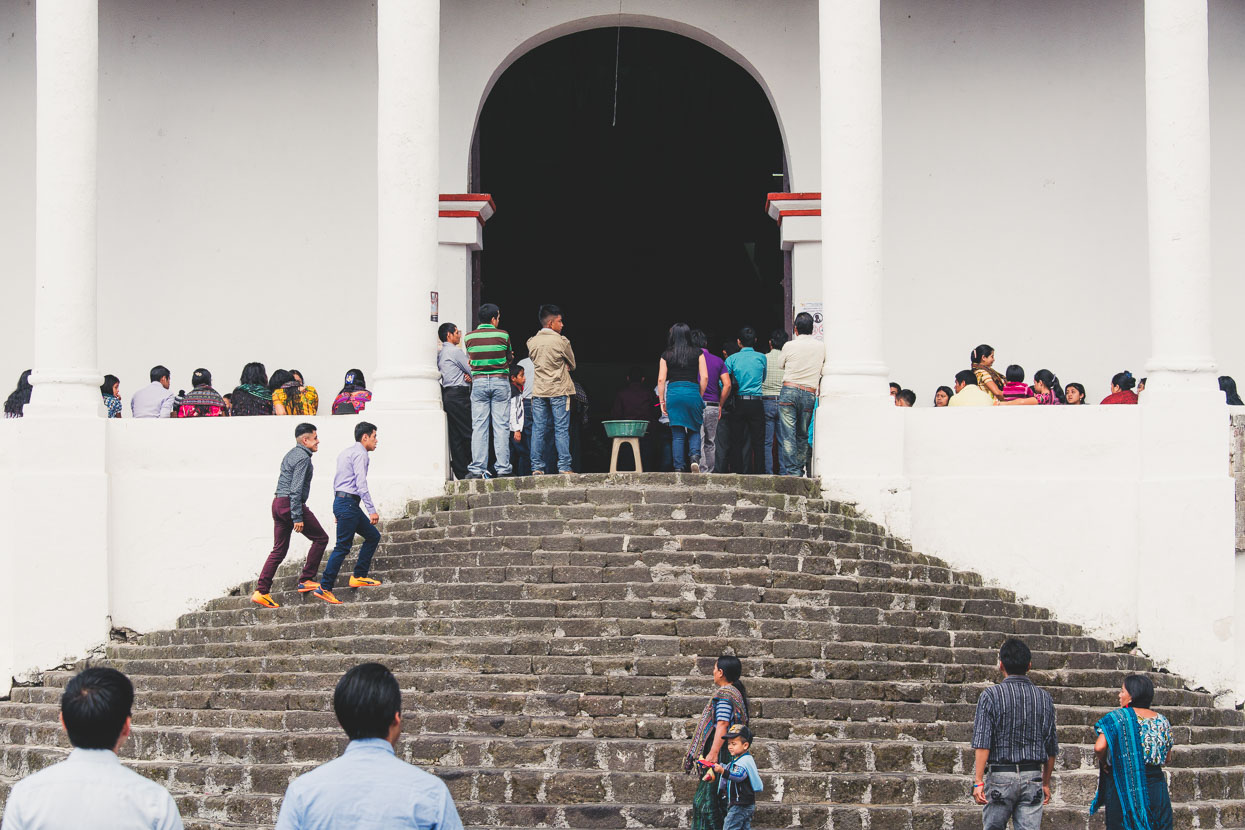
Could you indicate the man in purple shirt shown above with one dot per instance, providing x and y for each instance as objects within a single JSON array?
[
  {"x": 349, "y": 492},
  {"x": 709, "y": 430}
]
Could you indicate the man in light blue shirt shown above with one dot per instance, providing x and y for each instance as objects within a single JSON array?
[
  {"x": 350, "y": 499},
  {"x": 368, "y": 787},
  {"x": 745, "y": 372},
  {"x": 90, "y": 790}
]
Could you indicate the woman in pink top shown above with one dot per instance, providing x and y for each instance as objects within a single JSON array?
[{"x": 1046, "y": 391}]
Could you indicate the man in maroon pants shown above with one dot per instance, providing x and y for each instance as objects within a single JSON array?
[{"x": 290, "y": 514}]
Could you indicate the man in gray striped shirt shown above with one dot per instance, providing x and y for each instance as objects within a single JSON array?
[{"x": 1015, "y": 742}]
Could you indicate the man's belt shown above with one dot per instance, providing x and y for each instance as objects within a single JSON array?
[
  {"x": 812, "y": 389},
  {"x": 342, "y": 495},
  {"x": 711, "y": 403},
  {"x": 747, "y": 397},
  {"x": 1023, "y": 766}
]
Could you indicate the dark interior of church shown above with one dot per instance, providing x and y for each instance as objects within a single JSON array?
[{"x": 630, "y": 170}]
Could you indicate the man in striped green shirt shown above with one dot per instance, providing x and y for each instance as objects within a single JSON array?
[{"x": 490, "y": 354}]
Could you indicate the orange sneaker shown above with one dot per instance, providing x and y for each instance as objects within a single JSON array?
[
  {"x": 304, "y": 587},
  {"x": 327, "y": 596},
  {"x": 364, "y": 582},
  {"x": 265, "y": 600}
]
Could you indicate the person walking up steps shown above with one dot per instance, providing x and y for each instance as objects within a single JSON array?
[
  {"x": 1015, "y": 743},
  {"x": 490, "y": 354},
  {"x": 349, "y": 491},
  {"x": 552, "y": 359},
  {"x": 290, "y": 514}
]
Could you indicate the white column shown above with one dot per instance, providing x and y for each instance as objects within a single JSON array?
[
  {"x": 851, "y": 197},
  {"x": 66, "y": 375},
  {"x": 408, "y": 46},
  {"x": 859, "y": 437},
  {"x": 1178, "y": 184},
  {"x": 1186, "y": 498}
]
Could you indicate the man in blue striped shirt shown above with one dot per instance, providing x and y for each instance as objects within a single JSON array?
[{"x": 1015, "y": 742}]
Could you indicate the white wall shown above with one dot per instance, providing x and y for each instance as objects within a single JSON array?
[
  {"x": 183, "y": 506},
  {"x": 1048, "y": 501}
]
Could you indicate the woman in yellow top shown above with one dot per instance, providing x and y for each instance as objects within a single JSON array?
[
  {"x": 988, "y": 379},
  {"x": 290, "y": 396}
]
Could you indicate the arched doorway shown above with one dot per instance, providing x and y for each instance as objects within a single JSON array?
[{"x": 630, "y": 168}]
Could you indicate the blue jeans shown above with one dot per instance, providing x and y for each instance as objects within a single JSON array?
[
  {"x": 1014, "y": 796},
  {"x": 686, "y": 447},
  {"x": 771, "y": 427},
  {"x": 350, "y": 520},
  {"x": 547, "y": 413},
  {"x": 739, "y": 817},
  {"x": 490, "y": 401},
  {"x": 795, "y": 411}
]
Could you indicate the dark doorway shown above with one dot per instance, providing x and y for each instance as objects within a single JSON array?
[{"x": 633, "y": 198}]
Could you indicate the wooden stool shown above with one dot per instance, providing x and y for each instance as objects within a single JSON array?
[{"x": 634, "y": 441}]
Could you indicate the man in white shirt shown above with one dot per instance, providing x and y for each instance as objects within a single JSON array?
[
  {"x": 801, "y": 361},
  {"x": 90, "y": 790},
  {"x": 155, "y": 400},
  {"x": 967, "y": 392}
]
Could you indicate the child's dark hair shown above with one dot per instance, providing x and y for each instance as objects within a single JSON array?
[
  {"x": 1015, "y": 374},
  {"x": 731, "y": 670}
]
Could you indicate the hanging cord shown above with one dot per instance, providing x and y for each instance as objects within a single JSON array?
[{"x": 617, "y": 52}]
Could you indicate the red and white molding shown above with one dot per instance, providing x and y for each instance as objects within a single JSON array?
[
  {"x": 461, "y": 218},
  {"x": 798, "y": 216}
]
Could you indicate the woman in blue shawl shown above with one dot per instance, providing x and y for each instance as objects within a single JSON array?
[{"x": 1133, "y": 742}]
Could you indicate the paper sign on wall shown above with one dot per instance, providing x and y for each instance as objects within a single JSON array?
[
  {"x": 819, "y": 318},
  {"x": 436, "y": 302}
]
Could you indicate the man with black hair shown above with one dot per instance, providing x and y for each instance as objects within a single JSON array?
[
  {"x": 490, "y": 355},
  {"x": 90, "y": 790},
  {"x": 368, "y": 780},
  {"x": 905, "y": 398},
  {"x": 802, "y": 360},
  {"x": 895, "y": 389},
  {"x": 455, "y": 397},
  {"x": 553, "y": 359},
  {"x": 155, "y": 400},
  {"x": 745, "y": 372},
  {"x": 1015, "y": 743},
  {"x": 771, "y": 388},
  {"x": 967, "y": 392},
  {"x": 349, "y": 492},
  {"x": 290, "y": 514}
]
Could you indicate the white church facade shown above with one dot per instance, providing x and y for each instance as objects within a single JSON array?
[{"x": 206, "y": 184}]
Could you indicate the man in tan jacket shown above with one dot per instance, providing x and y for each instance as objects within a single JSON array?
[{"x": 553, "y": 359}]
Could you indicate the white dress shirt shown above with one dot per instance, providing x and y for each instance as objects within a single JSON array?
[
  {"x": 152, "y": 401},
  {"x": 90, "y": 790}
]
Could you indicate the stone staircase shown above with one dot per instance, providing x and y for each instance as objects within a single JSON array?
[{"x": 554, "y": 638}]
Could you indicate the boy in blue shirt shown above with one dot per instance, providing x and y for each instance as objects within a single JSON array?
[{"x": 740, "y": 781}]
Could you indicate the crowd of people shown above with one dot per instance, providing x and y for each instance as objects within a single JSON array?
[
  {"x": 1014, "y": 741},
  {"x": 257, "y": 393},
  {"x": 983, "y": 385}
]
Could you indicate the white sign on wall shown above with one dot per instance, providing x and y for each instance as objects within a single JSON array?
[{"x": 819, "y": 318}]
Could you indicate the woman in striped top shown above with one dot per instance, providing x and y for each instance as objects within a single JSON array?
[{"x": 727, "y": 706}]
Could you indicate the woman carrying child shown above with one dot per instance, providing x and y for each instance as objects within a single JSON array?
[{"x": 727, "y": 706}]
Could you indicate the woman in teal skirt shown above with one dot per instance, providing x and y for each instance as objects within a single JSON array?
[{"x": 681, "y": 382}]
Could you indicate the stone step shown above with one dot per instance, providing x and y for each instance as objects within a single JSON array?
[{"x": 250, "y": 746}]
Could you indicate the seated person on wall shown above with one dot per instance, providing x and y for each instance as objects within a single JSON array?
[
  {"x": 967, "y": 392},
  {"x": 90, "y": 790},
  {"x": 291, "y": 395},
  {"x": 354, "y": 396},
  {"x": 252, "y": 395},
  {"x": 202, "y": 401},
  {"x": 154, "y": 400},
  {"x": 1122, "y": 389},
  {"x": 1074, "y": 394},
  {"x": 905, "y": 398},
  {"x": 1015, "y": 388},
  {"x": 1046, "y": 391},
  {"x": 111, "y": 390},
  {"x": 368, "y": 779}
]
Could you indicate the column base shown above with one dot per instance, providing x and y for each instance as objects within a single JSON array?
[
  {"x": 65, "y": 393},
  {"x": 858, "y": 447}
]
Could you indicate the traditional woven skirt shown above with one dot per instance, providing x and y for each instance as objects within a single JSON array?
[
  {"x": 1158, "y": 801},
  {"x": 684, "y": 404}
]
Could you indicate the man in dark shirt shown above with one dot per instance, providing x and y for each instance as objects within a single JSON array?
[
  {"x": 290, "y": 514},
  {"x": 1015, "y": 742}
]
